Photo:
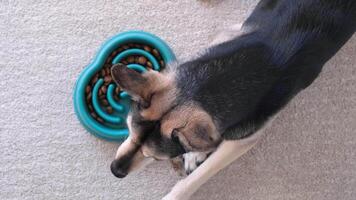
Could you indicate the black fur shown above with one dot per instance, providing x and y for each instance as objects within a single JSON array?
[
  {"x": 243, "y": 82},
  {"x": 149, "y": 133}
]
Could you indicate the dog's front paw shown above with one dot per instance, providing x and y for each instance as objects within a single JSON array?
[{"x": 192, "y": 160}]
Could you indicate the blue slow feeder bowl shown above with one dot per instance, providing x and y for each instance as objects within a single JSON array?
[{"x": 99, "y": 104}]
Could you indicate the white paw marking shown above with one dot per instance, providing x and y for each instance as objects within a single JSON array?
[{"x": 192, "y": 160}]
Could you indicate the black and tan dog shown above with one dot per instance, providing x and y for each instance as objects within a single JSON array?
[{"x": 219, "y": 102}]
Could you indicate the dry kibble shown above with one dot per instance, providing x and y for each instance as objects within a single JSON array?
[
  {"x": 95, "y": 79},
  {"x": 162, "y": 63},
  {"x": 89, "y": 97},
  {"x": 102, "y": 97},
  {"x": 102, "y": 72},
  {"x": 103, "y": 89},
  {"x": 109, "y": 60},
  {"x": 142, "y": 60},
  {"x": 108, "y": 72},
  {"x": 156, "y": 53},
  {"x": 117, "y": 90},
  {"x": 124, "y": 62},
  {"x": 109, "y": 110},
  {"x": 100, "y": 93},
  {"x": 116, "y": 98},
  {"x": 87, "y": 89},
  {"x": 130, "y": 59},
  {"x": 90, "y": 107},
  {"x": 104, "y": 102},
  {"x": 125, "y": 46},
  {"x": 149, "y": 64},
  {"x": 100, "y": 120},
  {"x": 107, "y": 79},
  {"x": 94, "y": 115},
  {"x": 147, "y": 48}
]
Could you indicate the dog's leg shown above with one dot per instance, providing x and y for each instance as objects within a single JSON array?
[{"x": 226, "y": 153}]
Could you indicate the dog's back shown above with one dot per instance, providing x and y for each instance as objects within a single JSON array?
[{"x": 244, "y": 81}]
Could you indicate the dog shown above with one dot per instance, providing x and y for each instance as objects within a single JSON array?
[{"x": 204, "y": 113}]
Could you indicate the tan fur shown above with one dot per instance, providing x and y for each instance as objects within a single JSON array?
[
  {"x": 226, "y": 153},
  {"x": 190, "y": 116},
  {"x": 165, "y": 92},
  {"x": 138, "y": 159},
  {"x": 177, "y": 165}
]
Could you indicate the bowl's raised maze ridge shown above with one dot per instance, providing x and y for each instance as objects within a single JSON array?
[{"x": 100, "y": 104}]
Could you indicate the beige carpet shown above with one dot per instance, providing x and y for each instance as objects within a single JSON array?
[{"x": 309, "y": 152}]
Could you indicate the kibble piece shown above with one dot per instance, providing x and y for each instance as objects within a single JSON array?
[
  {"x": 147, "y": 48},
  {"x": 142, "y": 60},
  {"x": 94, "y": 115},
  {"x": 126, "y": 46},
  {"x": 100, "y": 93},
  {"x": 95, "y": 79},
  {"x": 149, "y": 64},
  {"x": 162, "y": 63},
  {"x": 116, "y": 98},
  {"x": 124, "y": 62},
  {"x": 90, "y": 107},
  {"x": 109, "y": 59},
  {"x": 89, "y": 97},
  {"x": 87, "y": 89},
  {"x": 109, "y": 110},
  {"x": 108, "y": 72},
  {"x": 102, "y": 72},
  {"x": 156, "y": 53},
  {"x": 130, "y": 59},
  {"x": 102, "y": 97},
  {"x": 103, "y": 89},
  {"x": 107, "y": 79},
  {"x": 117, "y": 90},
  {"x": 100, "y": 120},
  {"x": 104, "y": 102}
]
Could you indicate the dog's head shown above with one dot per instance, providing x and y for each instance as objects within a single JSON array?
[{"x": 161, "y": 127}]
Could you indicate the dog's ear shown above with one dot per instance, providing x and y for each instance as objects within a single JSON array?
[
  {"x": 197, "y": 135},
  {"x": 139, "y": 85}
]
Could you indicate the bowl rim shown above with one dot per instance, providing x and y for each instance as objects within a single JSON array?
[{"x": 89, "y": 71}]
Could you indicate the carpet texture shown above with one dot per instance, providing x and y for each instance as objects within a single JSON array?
[{"x": 308, "y": 153}]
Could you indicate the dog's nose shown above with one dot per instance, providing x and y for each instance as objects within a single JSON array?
[{"x": 116, "y": 170}]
